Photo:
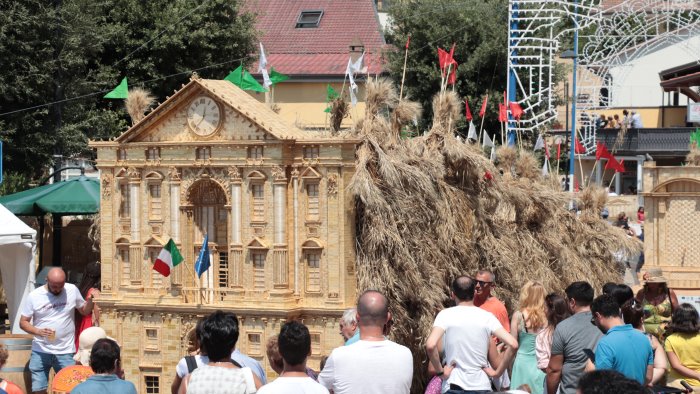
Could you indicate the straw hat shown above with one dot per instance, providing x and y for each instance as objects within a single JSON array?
[
  {"x": 86, "y": 340},
  {"x": 656, "y": 275}
]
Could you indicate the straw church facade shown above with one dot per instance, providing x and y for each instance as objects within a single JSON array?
[{"x": 271, "y": 197}]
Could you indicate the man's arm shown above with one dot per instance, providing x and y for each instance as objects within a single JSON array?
[
  {"x": 24, "y": 324},
  {"x": 431, "y": 346},
  {"x": 508, "y": 355},
  {"x": 325, "y": 377},
  {"x": 554, "y": 372},
  {"x": 649, "y": 375}
]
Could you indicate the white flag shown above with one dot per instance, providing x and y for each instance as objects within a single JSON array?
[
  {"x": 487, "y": 140},
  {"x": 545, "y": 167},
  {"x": 493, "y": 154},
  {"x": 540, "y": 143},
  {"x": 262, "y": 68},
  {"x": 472, "y": 131},
  {"x": 350, "y": 71}
]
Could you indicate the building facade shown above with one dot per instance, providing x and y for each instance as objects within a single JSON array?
[{"x": 212, "y": 160}]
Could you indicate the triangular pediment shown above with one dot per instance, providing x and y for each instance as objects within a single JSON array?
[
  {"x": 207, "y": 110},
  {"x": 310, "y": 173},
  {"x": 257, "y": 243}
]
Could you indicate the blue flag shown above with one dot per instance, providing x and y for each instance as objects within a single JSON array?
[{"x": 202, "y": 264}]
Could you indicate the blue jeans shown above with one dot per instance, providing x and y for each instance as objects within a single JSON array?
[{"x": 40, "y": 365}]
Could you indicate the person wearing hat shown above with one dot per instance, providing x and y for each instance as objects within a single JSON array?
[
  {"x": 69, "y": 377},
  {"x": 659, "y": 302}
]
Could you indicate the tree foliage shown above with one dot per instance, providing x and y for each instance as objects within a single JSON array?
[
  {"x": 65, "y": 49},
  {"x": 479, "y": 30}
]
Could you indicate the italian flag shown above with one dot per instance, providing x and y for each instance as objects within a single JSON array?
[{"x": 168, "y": 258}]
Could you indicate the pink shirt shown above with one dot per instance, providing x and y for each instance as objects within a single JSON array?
[{"x": 543, "y": 347}]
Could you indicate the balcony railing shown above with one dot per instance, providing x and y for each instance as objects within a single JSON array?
[{"x": 660, "y": 141}]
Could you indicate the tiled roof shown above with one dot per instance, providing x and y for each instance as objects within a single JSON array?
[{"x": 323, "y": 50}]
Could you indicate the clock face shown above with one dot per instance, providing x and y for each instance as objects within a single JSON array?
[{"x": 203, "y": 116}]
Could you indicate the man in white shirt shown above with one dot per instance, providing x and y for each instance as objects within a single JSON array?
[
  {"x": 467, "y": 330},
  {"x": 637, "y": 120},
  {"x": 294, "y": 344},
  {"x": 48, "y": 314},
  {"x": 373, "y": 364}
]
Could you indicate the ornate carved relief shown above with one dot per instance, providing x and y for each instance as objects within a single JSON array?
[
  {"x": 107, "y": 181},
  {"x": 278, "y": 173},
  {"x": 234, "y": 173},
  {"x": 295, "y": 172},
  {"x": 332, "y": 185},
  {"x": 133, "y": 173},
  {"x": 187, "y": 325},
  {"x": 217, "y": 175}
]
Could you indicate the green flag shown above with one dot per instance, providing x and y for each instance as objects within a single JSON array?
[
  {"x": 235, "y": 76},
  {"x": 695, "y": 138},
  {"x": 331, "y": 95},
  {"x": 244, "y": 80},
  {"x": 276, "y": 77},
  {"x": 120, "y": 92},
  {"x": 249, "y": 83}
]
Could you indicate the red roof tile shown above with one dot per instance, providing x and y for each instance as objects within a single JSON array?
[{"x": 317, "y": 51}]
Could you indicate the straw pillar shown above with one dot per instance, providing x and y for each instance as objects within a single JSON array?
[
  {"x": 236, "y": 255},
  {"x": 295, "y": 177},
  {"x": 279, "y": 254},
  {"x": 135, "y": 249},
  {"x": 175, "y": 219}
]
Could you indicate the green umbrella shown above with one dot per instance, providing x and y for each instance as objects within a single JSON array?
[{"x": 78, "y": 196}]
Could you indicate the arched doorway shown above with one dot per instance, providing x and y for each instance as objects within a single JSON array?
[{"x": 209, "y": 217}]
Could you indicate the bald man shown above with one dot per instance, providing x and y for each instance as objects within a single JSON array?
[
  {"x": 373, "y": 364},
  {"x": 48, "y": 315}
]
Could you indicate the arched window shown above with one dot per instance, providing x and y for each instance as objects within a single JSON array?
[{"x": 312, "y": 252}]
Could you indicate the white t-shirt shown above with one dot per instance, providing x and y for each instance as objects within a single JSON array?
[
  {"x": 296, "y": 385},
  {"x": 368, "y": 367},
  {"x": 468, "y": 330},
  {"x": 55, "y": 312}
]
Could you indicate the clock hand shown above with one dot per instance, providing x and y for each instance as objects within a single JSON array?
[{"x": 204, "y": 113}]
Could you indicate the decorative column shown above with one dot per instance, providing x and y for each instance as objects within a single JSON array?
[
  {"x": 279, "y": 254},
  {"x": 295, "y": 230},
  {"x": 640, "y": 181},
  {"x": 236, "y": 249},
  {"x": 135, "y": 249},
  {"x": 176, "y": 278}
]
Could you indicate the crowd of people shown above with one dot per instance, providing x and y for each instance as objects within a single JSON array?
[
  {"x": 618, "y": 342},
  {"x": 629, "y": 120}
]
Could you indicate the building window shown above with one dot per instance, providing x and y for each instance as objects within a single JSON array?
[
  {"x": 258, "y": 194},
  {"x": 203, "y": 153},
  {"x": 254, "y": 340},
  {"x": 154, "y": 201},
  {"x": 123, "y": 258},
  {"x": 153, "y": 153},
  {"x": 255, "y": 152},
  {"x": 311, "y": 152},
  {"x": 223, "y": 269},
  {"x": 258, "y": 261},
  {"x": 124, "y": 203},
  {"x": 156, "y": 277},
  {"x": 152, "y": 343},
  {"x": 121, "y": 154},
  {"x": 315, "y": 343},
  {"x": 313, "y": 271},
  {"x": 309, "y": 19},
  {"x": 312, "y": 210},
  {"x": 151, "y": 384}
]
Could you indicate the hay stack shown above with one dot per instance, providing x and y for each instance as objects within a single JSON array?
[
  {"x": 137, "y": 103},
  {"x": 431, "y": 208}
]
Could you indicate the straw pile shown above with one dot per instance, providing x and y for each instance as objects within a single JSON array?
[
  {"x": 137, "y": 103},
  {"x": 432, "y": 207}
]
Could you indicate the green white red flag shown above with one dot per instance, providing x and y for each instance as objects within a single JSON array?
[{"x": 168, "y": 259}]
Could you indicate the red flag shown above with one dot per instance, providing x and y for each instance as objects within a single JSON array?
[
  {"x": 452, "y": 78},
  {"x": 502, "y": 113},
  {"x": 546, "y": 150},
  {"x": 408, "y": 41},
  {"x": 615, "y": 165},
  {"x": 445, "y": 59},
  {"x": 467, "y": 111},
  {"x": 576, "y": 185},
  {"x": 516, "y": 110},
  {"x": 579, "y": 149},
  {"x": 558, "y": 150},
  {"x": 602, "y": 152},
  {"x": 483, "y": 106}
]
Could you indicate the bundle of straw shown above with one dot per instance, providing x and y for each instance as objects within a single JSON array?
[{"x": 431, "y": 208}]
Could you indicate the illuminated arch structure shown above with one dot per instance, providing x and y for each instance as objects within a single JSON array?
[{"x": 622, "y": 33}]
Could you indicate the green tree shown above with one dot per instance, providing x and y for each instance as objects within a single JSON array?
[
  {"x": 478, "y": 28},
  {"x": 65, "y": 49}
]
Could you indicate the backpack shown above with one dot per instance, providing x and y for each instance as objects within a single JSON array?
[{"x": 192, "y": 364}]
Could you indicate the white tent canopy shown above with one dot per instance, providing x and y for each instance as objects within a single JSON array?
[{"x": 17, "y": 264}]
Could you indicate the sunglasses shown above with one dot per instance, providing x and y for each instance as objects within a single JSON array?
[{"x": 483, "y": 282}]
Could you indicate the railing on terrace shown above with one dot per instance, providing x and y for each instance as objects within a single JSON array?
[{"x": 664, "y": 141}]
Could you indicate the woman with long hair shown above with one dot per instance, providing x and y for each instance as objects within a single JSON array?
[
  {"x": 683, "y": 347},
  {"x": 89, "y": 286},
  {"x": 526, "y": 323},
  {"x": 633, "y": 313},
  {"x": 557, "y": 310},
  {"x": 659, "y": 302}
]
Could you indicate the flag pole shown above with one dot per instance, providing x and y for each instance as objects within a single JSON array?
[
  {"x": 592, "y": 171},
  {"x": 611, "y": 180},
  {"x": 405, "y": 61}
]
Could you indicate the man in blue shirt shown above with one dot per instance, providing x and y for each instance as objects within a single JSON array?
[
  {"x": 105, "y": 361},
  {"x": 622, "y": 349}
]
